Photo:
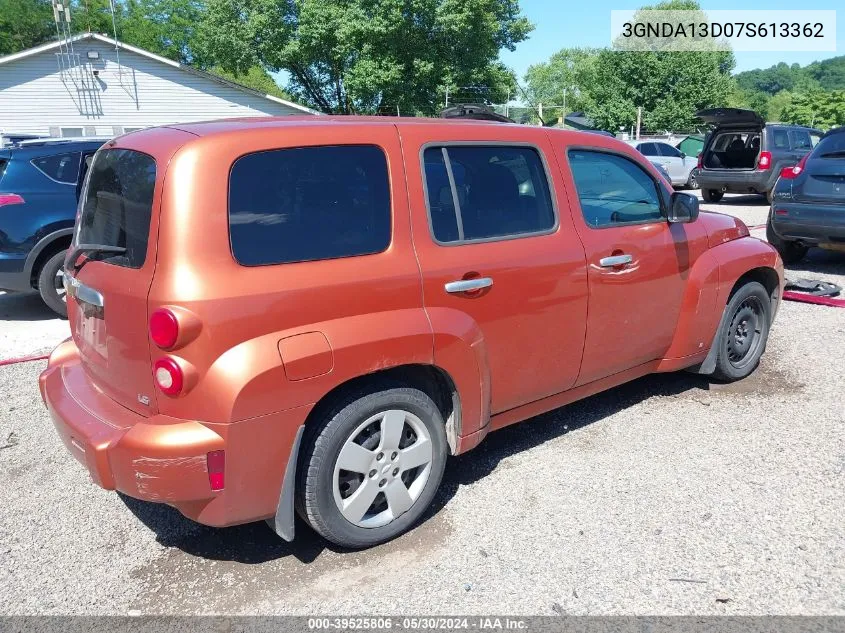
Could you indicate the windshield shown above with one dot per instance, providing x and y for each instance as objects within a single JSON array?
[{"x": 117, "y": 205}]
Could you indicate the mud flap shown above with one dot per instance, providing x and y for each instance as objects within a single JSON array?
[{"x": 283, "y": 522}]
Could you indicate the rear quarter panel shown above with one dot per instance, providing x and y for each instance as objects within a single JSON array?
[{"x": 367, "y": 308}]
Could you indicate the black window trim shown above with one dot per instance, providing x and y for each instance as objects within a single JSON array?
[
  {"x": 390, "y": 206},
  {"x": 61, "y": 182},
  {"x": 664, "y": 194},
  {"x": 492, "y": 143}
]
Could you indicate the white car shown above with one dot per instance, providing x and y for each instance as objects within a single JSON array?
[{"x": 679, "y": 166}]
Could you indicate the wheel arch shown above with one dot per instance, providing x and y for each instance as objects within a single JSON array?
[
  {"x": 44, "y": 249},
  {"x": 432, "y": 380}
]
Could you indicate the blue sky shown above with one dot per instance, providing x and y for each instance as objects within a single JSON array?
[{"x": 560, "y": 24}]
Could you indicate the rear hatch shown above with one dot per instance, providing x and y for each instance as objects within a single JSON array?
[
  {"x": 735, "y": 142},
  {"x": 823, "y": 178},
  {"x": 107, "y": 286}
]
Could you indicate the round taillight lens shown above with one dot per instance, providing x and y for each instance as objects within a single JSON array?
[
  {"x": 164, "y": 328},
  {"x": 168, "y": 376}
]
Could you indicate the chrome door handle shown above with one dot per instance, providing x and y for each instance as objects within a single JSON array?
[
  {"x": 615, "y": 260},
  {"x": 467, "y": 285}
]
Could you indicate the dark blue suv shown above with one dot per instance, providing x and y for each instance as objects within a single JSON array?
[{"x": 40, "y": 182}]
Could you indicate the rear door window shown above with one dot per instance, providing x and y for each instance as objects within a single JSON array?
[
  {"x": 648, "y": 149},
  {"x": 800, "y": 139},
  {"x": 118, "y": 203},
  {"x": 668, "y": 150},
  {"x": 479, "y": 192},
  {"x": 63, "y": 168},
  {"x": 309, "y": 203},
  {"x": 613, "y": 190}
]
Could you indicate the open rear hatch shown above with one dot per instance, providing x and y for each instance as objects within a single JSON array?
[
  {"x": 730, "y": 116},
  {"x": 109, "y": 270}
]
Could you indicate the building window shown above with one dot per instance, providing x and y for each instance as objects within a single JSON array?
[{"x": 69, "y": 132}]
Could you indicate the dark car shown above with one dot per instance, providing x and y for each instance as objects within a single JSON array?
[
  {"x": 39, "y": 187},
  {"x": 744, "y": 154},
  {"x": 808, "y": 201}
]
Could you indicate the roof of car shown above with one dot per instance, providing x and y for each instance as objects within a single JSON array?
[{"x": 48, "y": 146}]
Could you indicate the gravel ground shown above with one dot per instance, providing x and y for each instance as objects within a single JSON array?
[{"x": 669, "y": 495}]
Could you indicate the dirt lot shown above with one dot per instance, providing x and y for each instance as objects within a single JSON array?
[{"x": 668, "y": 495}]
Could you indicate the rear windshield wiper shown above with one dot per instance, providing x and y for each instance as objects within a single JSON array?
[
  {"x": 837, "y": 154},
  {"x": 90, "y": 249}
]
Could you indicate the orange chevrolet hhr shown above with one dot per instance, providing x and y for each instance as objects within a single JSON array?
[{"x": 309, "y": 315}]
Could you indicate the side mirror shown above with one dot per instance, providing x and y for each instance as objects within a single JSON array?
[
  {"x": 683, "y": 155},
  {"x": 683, "y": 208}
]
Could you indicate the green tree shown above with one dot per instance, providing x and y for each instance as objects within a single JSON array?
[
  {"x": 348, "y": 56},
  {"x": 24, "y": 23},
  {"x": 566, "y": 77},
  {"x": 165, "y": 27},
  {"x": 255, "y": 78},
  {"x": 670, "y": 86},
  {"x": 816, "y": 109}
]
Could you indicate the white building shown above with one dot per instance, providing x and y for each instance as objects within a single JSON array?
[{"x": 93, "y": 85}]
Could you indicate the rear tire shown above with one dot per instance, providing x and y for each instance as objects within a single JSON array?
[
  {"x": 393, "y": 444},
  {"x": 742, "y": 339},
  {"x": 790, "y": 252},
  {"x": 50, "y": 284},
  {"x": 711, "y": 195}
]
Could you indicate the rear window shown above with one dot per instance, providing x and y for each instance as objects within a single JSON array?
[
  {"x": 118, "y": 203},
  {"x": 832, "y": 146},
  {"x": 801, "y": 139},
  {"x": 63, "y": 168},
  {"x": 309, "y": 203}
]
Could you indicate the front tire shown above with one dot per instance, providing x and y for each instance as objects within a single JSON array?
[
  {"x": 790, "y": 252},
  {"x": 711, "y": 195},
  {"x": 371, "y": 466},
  {"x": 692, "y": 181},
  {"x": 51, "y": 284},
  {"x": 742, "y": 339}
]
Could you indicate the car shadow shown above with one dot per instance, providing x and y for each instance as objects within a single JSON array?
[
  {"x": 818, "y": 260},
  {"x": 24, "y": 306},
  {"x": 751, "y": 199},
  {"x": 256, "y": 543}
]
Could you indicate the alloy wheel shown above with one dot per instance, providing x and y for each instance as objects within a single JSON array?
[{"x": 382, "y": 468}]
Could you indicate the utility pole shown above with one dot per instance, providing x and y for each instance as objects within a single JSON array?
[
  {"x": 639, "y": 119},
  {"x": 540, "y": 112},
  {"x": 447, "y": 96},
  {"x": 397, "y": 110},
  {"x": 507, "y": 102}
]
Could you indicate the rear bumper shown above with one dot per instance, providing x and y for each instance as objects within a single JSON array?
[
  {"x": 808, "y": 223},
  {"x": 163, "y": 459},
  {"x": 737, "y": 180}
]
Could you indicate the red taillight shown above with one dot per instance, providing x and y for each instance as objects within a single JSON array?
[
  {"x": 10, "y": 198},
  {"x": 765, "y": 160},
  {"x": 700, "y": 161},
  {"x": 781, "y": 212},
  {"x": 790, "y": 173},
  {"x": 164, "y": 328},
  {"x": 216, "y": 461},
  {"x": 168, "y": 376}
]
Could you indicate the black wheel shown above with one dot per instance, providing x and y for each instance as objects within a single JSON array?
[
  {"x": 711, "y": 195},
  {"x": 51, "y": 284},
  {"x": 790, "y": 252},
  {"x": 369, "y": 471},
  {"x": 744, "y": 333},
  {"x": 692, "y": 181}
]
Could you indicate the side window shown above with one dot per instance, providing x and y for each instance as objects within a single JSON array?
[
  {"x": 780, "y": 139},
  {"x": 482, "y": 192},
  {"x": 309, "y": 203},
  {"x": 800, "y": 139},
  {"x": 613, "y": 189},
  {"x": 815, "y": 138},
  {"x": 668, "y": 150},
  {"x": 648, "y": 149},
  {"x": 62, "y": 168}
]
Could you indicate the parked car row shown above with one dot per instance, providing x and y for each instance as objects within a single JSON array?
[
  {"x": 40, "y": 182},
  {"x": 309, "y": 315}
]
